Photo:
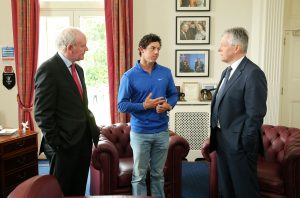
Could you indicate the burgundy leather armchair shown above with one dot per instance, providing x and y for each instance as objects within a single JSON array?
[
  {"x": 112, "y": 163},
  {"x": 279, "y": 170},
  {"x": 45, "y": 186}
]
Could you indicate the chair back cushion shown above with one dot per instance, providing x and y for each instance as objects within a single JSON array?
[
  {"x": 275, "y": 139},
  {"x": 119, "y": 135}
]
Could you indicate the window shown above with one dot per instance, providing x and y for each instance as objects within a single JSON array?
[{"x": 89, "y": 17}]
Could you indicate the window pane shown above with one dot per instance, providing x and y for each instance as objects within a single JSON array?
[
  {"x": 95, "y": 67},
  {"x": 50, "y": 27}
]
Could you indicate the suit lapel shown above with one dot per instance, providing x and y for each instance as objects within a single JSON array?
[
  {"x": 62, "y": 68},
  {"x": 218, "y": 87},
  {"x": 67, "y": 74},
  {"x": 239, "y": 70}
]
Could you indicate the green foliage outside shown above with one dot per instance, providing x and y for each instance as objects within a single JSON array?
[{"x": 96, "y": 71}]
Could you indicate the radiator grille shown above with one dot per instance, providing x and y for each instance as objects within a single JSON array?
[{"x": 193, "y": 126}]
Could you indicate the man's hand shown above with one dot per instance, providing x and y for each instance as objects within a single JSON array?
[
  {"x": 205, "y": 150},
  {"x": 152, "y": 103},
  {"x": 160, "y": 108}
]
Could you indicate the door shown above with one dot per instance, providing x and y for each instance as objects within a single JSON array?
[{"x": 290, "y": 96}]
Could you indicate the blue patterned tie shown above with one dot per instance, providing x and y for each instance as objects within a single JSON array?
[{"x": 214, "y": 116}]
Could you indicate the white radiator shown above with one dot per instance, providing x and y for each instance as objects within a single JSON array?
[{"x": 192, "y": 122}]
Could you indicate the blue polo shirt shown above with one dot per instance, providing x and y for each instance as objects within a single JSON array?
[{"x": 136, "y": 84}]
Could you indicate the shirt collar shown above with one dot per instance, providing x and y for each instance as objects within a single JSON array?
[
  {"x": 140, "y": 67},
  {"x": 66, "y": 61},
  {"x": 235, "y": 65}
]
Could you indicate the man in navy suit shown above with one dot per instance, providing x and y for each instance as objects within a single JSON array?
[
  {"x": 61, "y": 111},
  {"x": 238, "y": 109}
]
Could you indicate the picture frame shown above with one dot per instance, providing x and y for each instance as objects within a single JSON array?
[
  {"x": 178, "y": 89},
  {"x": 192, "y": 5},
  {"x": 192, "y": 30},
  {"x": 192, "y": 63},
  {"x": 209, "y": 86},
  {"x": 191, "y": 91}
]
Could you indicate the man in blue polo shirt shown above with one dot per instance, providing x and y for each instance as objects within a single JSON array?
[{"x": 147, "y": 91}]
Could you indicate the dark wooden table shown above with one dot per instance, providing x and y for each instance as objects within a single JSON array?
[{"x": 18, "y": 159}]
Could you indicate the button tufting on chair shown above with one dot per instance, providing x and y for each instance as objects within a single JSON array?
[{"x": 279, "y": 170}]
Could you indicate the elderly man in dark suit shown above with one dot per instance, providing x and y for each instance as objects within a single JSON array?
[
  {"x": 61, "y": 111},
  {"x": 238, "y": 109}
]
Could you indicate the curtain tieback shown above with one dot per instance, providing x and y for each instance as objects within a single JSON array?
[{"x": 22, "y": 106}]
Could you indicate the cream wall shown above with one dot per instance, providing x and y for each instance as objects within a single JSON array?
[
  {"x": 159, "y": 17},
  {"x": 8, "y": 101},
  {"x": 292, "y": 15}
]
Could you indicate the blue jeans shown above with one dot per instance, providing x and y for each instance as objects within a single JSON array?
[{"x": 153, "y": 149}]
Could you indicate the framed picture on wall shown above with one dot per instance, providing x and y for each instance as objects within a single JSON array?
[
  {"x": 192, "y": 63},
  {"x": 192, "y": 29},
  {"x": 192, "y": 5}
]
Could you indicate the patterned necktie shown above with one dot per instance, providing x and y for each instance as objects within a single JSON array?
[
  {"x": 214, "y": 115},
  {"x": 76, "y": 79}
]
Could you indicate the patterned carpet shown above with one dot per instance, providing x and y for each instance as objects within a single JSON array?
[{"x": 194, "y": 178}]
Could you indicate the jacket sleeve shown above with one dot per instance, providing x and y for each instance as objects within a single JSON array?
[{"x": 256, "y": 108}]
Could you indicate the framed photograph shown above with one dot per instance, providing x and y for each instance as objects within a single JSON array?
[
  {"x": 209, "y": 86},
  {"x": 191, "y": 91},
  {"x": 178, "y": 92},
  {"x": 192, "y": 5},
  {"x": 192, "y": 30},
  {"x": 178, "y": 89},
  {"x": 192, "y": 63}
]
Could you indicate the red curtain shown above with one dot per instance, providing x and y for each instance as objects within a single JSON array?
[
  {"x": 25, "y": 16},
  {"x": 118, "y": 16}
]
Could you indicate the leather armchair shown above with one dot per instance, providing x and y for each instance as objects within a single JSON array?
[
  {"x": 279, "y": 170},
  {"x": 45, "y": 186},
  {"x": 112, "y": 162}
]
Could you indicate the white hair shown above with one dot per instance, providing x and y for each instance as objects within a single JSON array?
[
  {"x": 239, "y": 36},
  {"x": 67, "y": 37}
]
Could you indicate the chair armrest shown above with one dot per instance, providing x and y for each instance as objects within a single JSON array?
[
  {"x": 105, "y": 152},
  {"x": 291, "y": 167},
  {"x": 178, "y": 150},
  {"x": 178, "y": 146},
  {"x": 105, "y": 160},
  {"x": 213, "y": 177}
]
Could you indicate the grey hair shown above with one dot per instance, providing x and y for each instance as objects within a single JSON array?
[
  {"x": 239, "y": 36},
  {"x": 67, "y": 37}
]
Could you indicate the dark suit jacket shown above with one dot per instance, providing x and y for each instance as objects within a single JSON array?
[
  {"x": 59, "y": 110},
  {"x": 183, "y": 36},
  {"x": 242, "y": 109}
]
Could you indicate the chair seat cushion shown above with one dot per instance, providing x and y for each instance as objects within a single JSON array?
[
  {"x": 126, "y": 167},
  {"x": 270, "y": 177}
]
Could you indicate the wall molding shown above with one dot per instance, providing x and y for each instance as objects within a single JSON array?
[{"x": 269, "y": 14}]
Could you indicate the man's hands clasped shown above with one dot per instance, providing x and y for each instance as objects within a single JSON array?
[{"x": 159, "y": 103}]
